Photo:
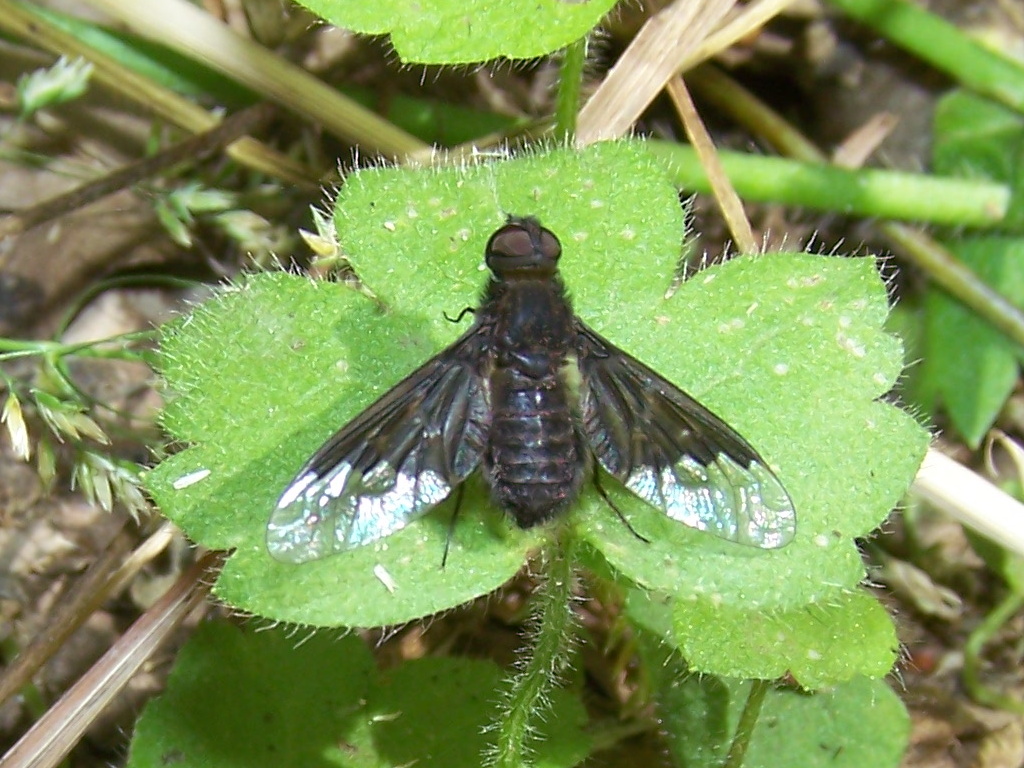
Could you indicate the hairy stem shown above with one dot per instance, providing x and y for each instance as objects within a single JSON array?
[
  {"x": 552, "y": 634},
  {"x": 745, "y": 728}
]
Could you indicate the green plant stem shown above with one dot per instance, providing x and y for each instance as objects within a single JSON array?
[
  {"x": 867, "y": 192},
  {"x": 15, "y": 348},
  {"x": 570, "y": 81},
  {"x": 942, "y": 45},
  {"x": 957, "y": 280},
  {"x": 551, "y": 642},
  {"x": 745, "y": 727},
  {"x": 719, "y": 90},
  {"x": 927, "y": 253},
  {"x": 985, "y": 631}
]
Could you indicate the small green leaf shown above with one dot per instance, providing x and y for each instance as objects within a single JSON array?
[
  {"x": 820, "y": 644},
  {"x": 259, "y": 698},
  {"x": 859, "y": 723},
  {"x": 245, "y": 698},
  {"x": 970, "y": 365},
  {"x": 64, "y": 81},
  {"x": 466, "y": 31},
  {"x": 697, "y": 714},
  {"x": 844, "y": 635}
]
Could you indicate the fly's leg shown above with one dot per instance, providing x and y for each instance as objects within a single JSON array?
[
  {"x": 458, "y": 318},
  {"x": 451, "y": 523},
  {"x": 610, "y": 503}
]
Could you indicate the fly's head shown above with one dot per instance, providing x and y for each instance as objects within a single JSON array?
[{"x": 523, "y": 249}]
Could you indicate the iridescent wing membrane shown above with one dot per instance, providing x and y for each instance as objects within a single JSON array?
[
  {"x": 391, "y": 464},
  {"x": 674, "y": 453}
]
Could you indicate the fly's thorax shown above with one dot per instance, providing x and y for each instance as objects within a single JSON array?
[{"x": 529, "y": 314}]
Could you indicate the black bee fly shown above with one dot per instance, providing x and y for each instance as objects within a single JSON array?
[{"x": 536, "y": 399}]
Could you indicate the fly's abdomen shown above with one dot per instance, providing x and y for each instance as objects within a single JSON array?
[{"x": 533, "y": 463}]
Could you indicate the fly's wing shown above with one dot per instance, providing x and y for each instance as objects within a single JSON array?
[
  {"x": 674, "y": 453},
  {"x": 391, "y": 464}
]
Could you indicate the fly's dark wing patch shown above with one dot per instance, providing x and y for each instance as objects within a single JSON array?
[
  {"x": 674, "y": 453},
  {"x": 395, "y": 461}
]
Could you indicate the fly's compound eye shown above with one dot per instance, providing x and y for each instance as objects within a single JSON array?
[
  {"x": 523, "y": 245},
  {"x": 512, "y": 241},
  {"x": 549, "y": 245}
]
